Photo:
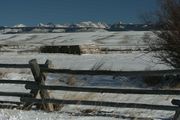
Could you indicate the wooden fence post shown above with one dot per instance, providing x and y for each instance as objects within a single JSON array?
[
  {"x": 177, "y": 115},
  {"x": 49, "y": 64},
  {"x": 40, "y": 80}
]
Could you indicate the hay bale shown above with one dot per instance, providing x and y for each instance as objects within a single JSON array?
[{"x": 72, "y": 49}]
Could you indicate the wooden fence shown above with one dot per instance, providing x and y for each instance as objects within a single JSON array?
[{"x": 28, "y": 100}]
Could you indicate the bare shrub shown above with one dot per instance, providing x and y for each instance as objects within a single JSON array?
[{"x": 166, "y": 44}]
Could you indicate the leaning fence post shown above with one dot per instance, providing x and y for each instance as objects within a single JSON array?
[{"x": 40, "y": 80}]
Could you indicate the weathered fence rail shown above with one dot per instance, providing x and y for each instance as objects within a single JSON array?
[
  {"x": 14, "y": 66},
  {"x": 18, "y": 65},
  {"x": 15, "y": 94},
  {"x": 15, "y": 82},
  {"x": 102, "y": 103},
  {"x": 106, "y": 72},
  {"x": 47, "y": 103},
  {"x": 11, "y": 102},
  {"x": 103, "y": 90}
]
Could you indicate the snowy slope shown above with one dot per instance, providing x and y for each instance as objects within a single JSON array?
[{"x": 102, "y": 38}]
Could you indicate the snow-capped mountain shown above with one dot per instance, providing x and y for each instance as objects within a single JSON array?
[
  {"x": 20, "y": 25},
  {"x": 91, "y": 24},
  {"x": 62, "y": 25},
  {"x": 52, "y": 25},
  {"x": 119, "y": 26},
  {"x": 46, "y": 25},
  {"x": 87, "y": 26}
]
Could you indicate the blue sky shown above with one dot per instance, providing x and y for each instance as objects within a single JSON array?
[{"x": 32, "y": 12}]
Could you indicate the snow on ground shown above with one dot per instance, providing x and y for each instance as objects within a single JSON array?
[
  {"x": 75, "y": 112},
  {"x": 123, "y": 61},
  {"x": 103, "y": 38},
  {"x": 39, "y": 115},
  {"x": 132, "y": 61}
]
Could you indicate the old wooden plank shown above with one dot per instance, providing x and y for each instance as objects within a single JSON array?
[
  {"x": 120, "y": 73},
  {"x": 15, "y": 82},
  {"x": 11, "y": 102},
  {"x": 14, "y": 65},
  {"x": 17, "y": 65},
  {"x": 15, "y": 94},
  {"x": 105, "y": 90},
  {"x": 102, "y": 103}
]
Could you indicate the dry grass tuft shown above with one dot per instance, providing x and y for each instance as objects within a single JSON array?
[
  {"x": 71, "y": 81},
  {"x": 88, "y": 111}
]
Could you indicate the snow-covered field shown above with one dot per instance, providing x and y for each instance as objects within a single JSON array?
[
  {"x": 116, "y": 61},
  {"x": 112, "y": 38}
]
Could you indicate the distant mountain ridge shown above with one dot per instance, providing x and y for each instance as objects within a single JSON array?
[{"x": 87, "y": 26}]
